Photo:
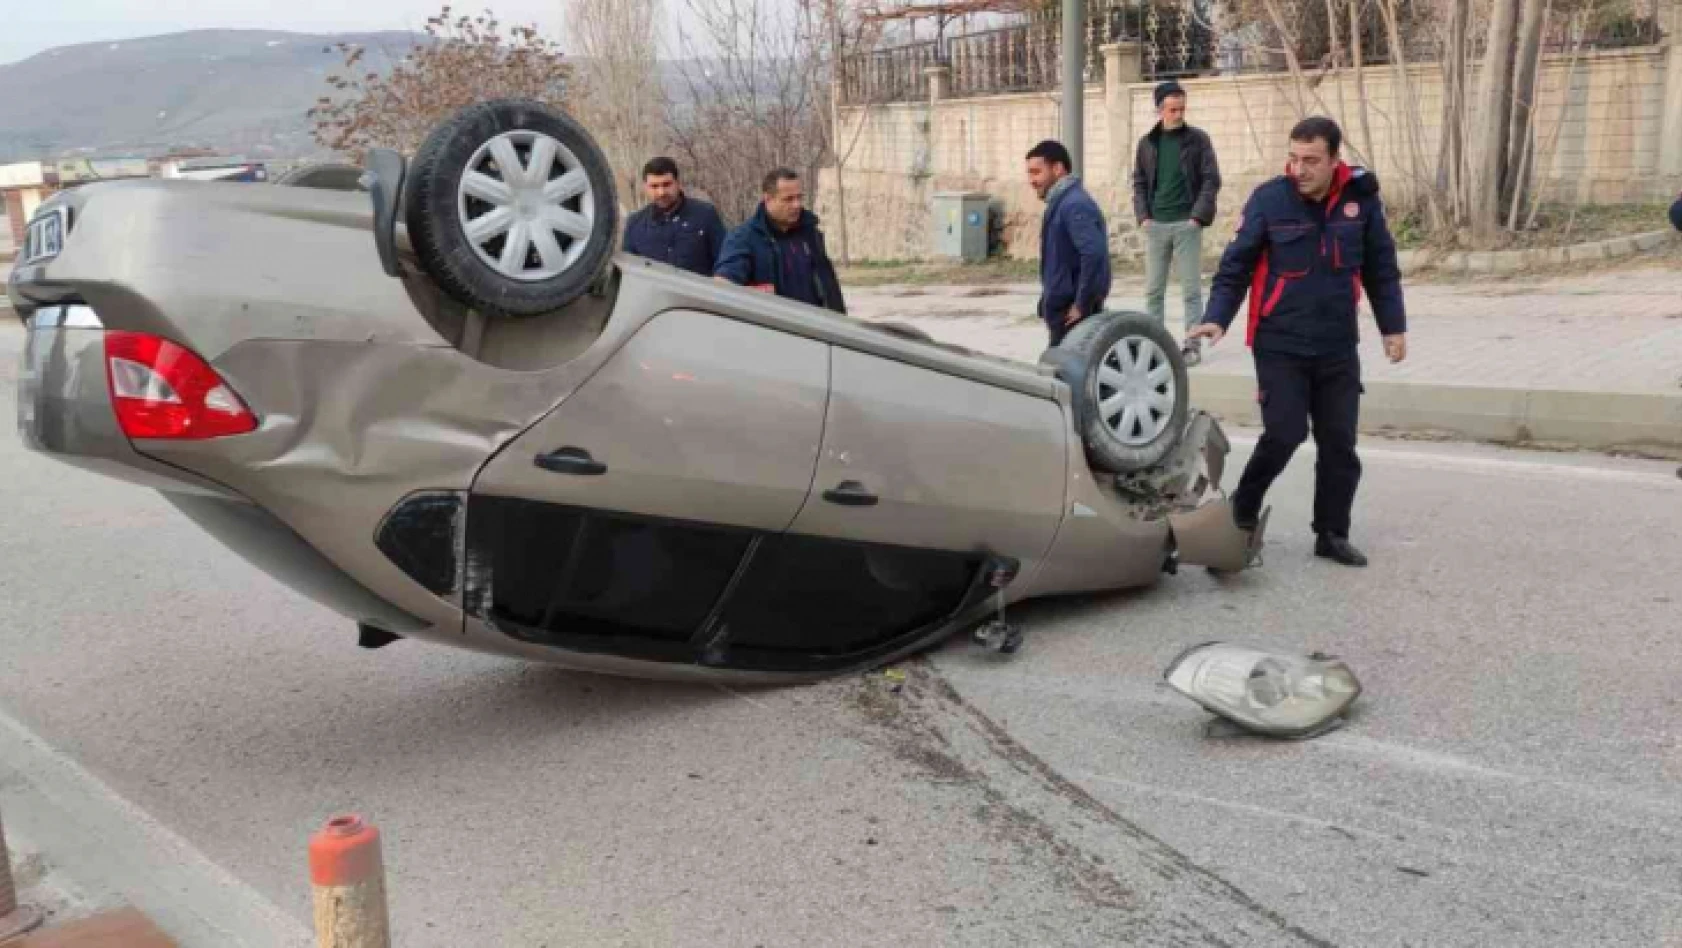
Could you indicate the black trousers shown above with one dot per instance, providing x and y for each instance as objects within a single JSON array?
[
  {"x": 1054, "y": 324},
  {"x": 1294, "y": 391}
]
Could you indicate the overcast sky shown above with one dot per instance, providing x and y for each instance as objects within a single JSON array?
[{"x": 30, "y": 26}]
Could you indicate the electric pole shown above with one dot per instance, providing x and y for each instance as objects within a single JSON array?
[{"x": 1074, "y": 82}]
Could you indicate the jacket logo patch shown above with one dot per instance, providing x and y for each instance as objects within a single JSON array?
[{"x": 1351, "y": 210}]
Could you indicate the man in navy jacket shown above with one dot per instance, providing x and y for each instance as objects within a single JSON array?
[
  {"x": 673, "y": 227},
  {"x": 1074, "y": 244},
  {"x": 781, "y": 250},
  {"x": 1308, "y": 243}
]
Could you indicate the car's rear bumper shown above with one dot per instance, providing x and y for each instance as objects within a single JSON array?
[
  {"x": 64, "y": 406},
  {"x": 64, "y": 412}
]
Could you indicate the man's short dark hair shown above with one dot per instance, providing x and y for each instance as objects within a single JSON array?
[
  {"x": 659, "y": 168},
  {"x": 1166, "y": 89},
  {"x": 1319, "y": 126},
  {"x": 776, "y": 177},
  {"x": 1052, "y": 152}
]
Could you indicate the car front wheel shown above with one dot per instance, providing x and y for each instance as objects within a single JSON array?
[{"x": 1130, "y": 387}]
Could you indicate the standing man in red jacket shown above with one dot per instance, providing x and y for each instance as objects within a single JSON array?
[{"x": 1308, "y": 243}]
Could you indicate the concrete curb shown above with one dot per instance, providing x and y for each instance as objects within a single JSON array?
[
  {"x": 1514, "y": 261},
  {"x": 1641, "y": 423},
  {"x": 118, "y": 854}
]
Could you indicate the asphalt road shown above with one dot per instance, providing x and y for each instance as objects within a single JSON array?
[{"x": 173, "y": 725}]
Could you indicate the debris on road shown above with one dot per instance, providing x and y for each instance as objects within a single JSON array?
[{"x": 1268, "y": 693}]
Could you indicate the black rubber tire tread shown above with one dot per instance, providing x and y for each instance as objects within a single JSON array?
[
  {"x": 435, "y": 229},
  {"x": 1088, "y": 342}
]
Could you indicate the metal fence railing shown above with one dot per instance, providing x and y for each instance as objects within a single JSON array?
[{"x": 1188, "y": 38}]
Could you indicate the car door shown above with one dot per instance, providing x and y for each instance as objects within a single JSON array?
[
  {"x": 618, "y": 521},
  {"x": 923, "y": 480}
]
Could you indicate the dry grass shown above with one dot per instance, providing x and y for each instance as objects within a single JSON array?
[{"x": 1557, "y": 225}]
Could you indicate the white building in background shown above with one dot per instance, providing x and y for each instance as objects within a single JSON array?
[{"x": 25, "y": 184}]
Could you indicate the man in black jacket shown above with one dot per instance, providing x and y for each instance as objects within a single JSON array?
[
  {"x": 1308, "y": 242},
  {"x": 781, "y": 250},
  {"x": 1176, "y": 181},
  {"x": 673, "y": 227}
]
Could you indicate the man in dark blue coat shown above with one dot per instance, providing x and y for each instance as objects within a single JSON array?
[
  {"x": 673, "y": 227},
  {"x": 781, "y": 250},
  {"x": 1308, "y": 242},
  {"x": 1074, "y": 244}
]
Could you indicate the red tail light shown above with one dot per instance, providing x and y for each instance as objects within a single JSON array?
[{"x": 161, "y": 390}]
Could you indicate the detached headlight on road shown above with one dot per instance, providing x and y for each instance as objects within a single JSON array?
[{"x": 1277, "y": 695}]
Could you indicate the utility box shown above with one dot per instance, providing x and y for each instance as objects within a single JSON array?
[{"x": 959, "y": 228}]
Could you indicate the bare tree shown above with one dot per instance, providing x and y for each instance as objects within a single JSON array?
[
  {"x": 462, "y": 60},
  {"x": 1521, "y": 131},
  {"x": 1451, "y": 158},
  {"x": 745, "y": 102},
  {"x": 618, "y": 83},
  {"x": 839, "y": 33},
  {"x": 1493, "y": 121}
]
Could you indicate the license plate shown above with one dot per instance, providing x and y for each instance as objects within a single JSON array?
[{"x": 44, "y": 238}]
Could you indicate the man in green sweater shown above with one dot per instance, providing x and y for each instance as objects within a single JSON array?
[{"x": 1175, "y": 182}]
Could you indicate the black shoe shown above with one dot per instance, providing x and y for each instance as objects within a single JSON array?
[
  {"x": 1245, "y": 520},
  {"x": 1338, "y": 550}
]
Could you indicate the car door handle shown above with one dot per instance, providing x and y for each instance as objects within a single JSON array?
[
  {"x": 850, "y": 494},
  {"x": 570, "y": 460}
]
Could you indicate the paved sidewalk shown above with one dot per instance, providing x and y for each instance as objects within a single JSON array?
[{"x": 1593, "y": 360}]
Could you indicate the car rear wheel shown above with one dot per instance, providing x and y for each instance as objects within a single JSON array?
[
  {"x": 1131, "y": 391},
  {"x": 511, "y": 209}
]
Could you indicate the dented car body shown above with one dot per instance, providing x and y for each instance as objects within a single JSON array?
[{"x": 674, "y": 478}]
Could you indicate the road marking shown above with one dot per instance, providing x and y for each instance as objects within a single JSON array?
[
  {"x": 749, "y": 699},
  {"x": 114, "y": 851},
  {"x": 1498, "y": 466},
  {"x": 1656, "y": 813},
  {"x": 1450, "y": 855}
]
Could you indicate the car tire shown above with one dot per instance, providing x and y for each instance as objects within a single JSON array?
[
  {"x": 1152, "y": 383},
  {"x": 462, "y": 208}
]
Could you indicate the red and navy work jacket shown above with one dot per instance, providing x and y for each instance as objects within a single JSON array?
[{"x": 1304, "y": 265}]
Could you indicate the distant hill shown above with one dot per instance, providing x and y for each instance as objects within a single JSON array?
[
  {"x": 242, "y": 92},
  {"x": 237, "y": 91}
]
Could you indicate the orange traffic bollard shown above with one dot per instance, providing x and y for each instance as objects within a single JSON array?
[
  {"x": 14, "y": 919},
  {"x": 348, "y": 875}
]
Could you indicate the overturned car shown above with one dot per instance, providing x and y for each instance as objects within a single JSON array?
[{"x": 438, "y": 403}]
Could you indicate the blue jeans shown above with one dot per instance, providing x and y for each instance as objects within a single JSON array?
[{"x": 1177, "y": 247}]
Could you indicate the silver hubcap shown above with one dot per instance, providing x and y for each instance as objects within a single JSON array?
[
  {"x": 526, "y": 206},
  {"x": 1136, "y": 390}
]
